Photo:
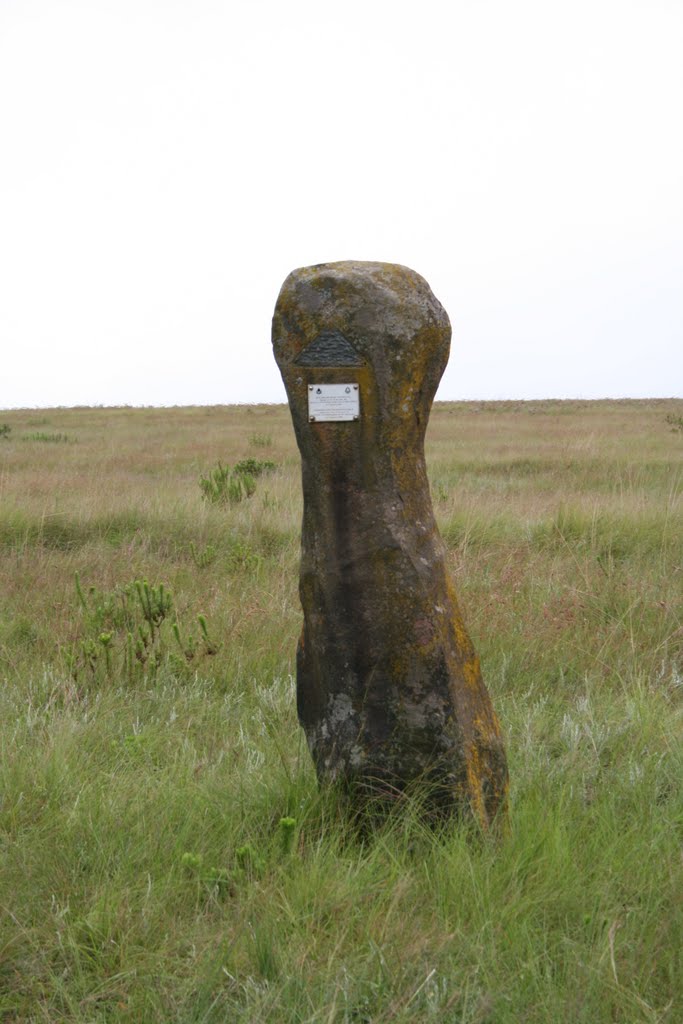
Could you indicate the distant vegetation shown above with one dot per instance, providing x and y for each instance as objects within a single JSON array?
[
  {"x": 39, "y": 435},
  {"x": 166, "y": 855},
  {"x": 261, "y": 440}
]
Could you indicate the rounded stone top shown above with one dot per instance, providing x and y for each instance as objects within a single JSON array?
[{"x": 366, "y": 296}]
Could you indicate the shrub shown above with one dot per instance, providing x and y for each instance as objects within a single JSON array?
[
  {"x": 254, "y": 467},
  {"x": 226, "y": 486},
  {"x": 125, "y": 633}
]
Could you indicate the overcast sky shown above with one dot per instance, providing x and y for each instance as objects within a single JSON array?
[{"x": 164, "y": 164}]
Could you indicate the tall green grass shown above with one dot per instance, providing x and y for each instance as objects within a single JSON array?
[{"x": 146, "y": 871}]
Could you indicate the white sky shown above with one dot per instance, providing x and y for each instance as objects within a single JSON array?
[{"x": 165, "y": 163}]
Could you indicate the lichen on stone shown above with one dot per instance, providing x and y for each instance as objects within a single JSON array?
[{"x": 389, "y": 688}]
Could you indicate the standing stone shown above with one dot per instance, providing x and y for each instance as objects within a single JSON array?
[{"x": 389, "y": 690}]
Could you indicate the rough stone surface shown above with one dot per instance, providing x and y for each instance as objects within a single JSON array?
[{"x": 389, "y": 689}]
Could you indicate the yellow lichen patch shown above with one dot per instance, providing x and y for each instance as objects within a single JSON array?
[{"x": 472, "y": 673}]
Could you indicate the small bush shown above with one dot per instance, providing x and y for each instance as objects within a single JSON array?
[
  {"x": 125, "y": 634},
  {"x": 204, "y": 557},
  {"x": 5, "y": 430},
  {"x": 675, "y": 422},
  {"x": 254, "y": 467},
  {"x": 287, "y": 835},
  {"x": 226, "y": 486},
  {"x": 223, "y": 486}
]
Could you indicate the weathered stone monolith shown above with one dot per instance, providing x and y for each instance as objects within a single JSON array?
[{"x": 389, "y": 690}]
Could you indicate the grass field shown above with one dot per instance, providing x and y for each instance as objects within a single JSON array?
[{"x": 148, "y": 759}]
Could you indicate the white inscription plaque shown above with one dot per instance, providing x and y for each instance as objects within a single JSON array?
[{"x": 333, "y": 403}]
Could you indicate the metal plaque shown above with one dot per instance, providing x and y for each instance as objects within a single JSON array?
[{"x": 333, "y": 403}]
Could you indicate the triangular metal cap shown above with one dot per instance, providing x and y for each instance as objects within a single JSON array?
[{"x": 330, "y": 348}]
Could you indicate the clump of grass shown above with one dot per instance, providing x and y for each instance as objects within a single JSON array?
[
  {"x": 21, "y": 632},
  {"x": 675, "y": 422},
  {"x": 229, "y": 486},
  {"x": 203, "y": 557},
  {"x": 260, "y": 440},
  {"x": 44, "y": 438},
  {"x": 5, "y": 430}
]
